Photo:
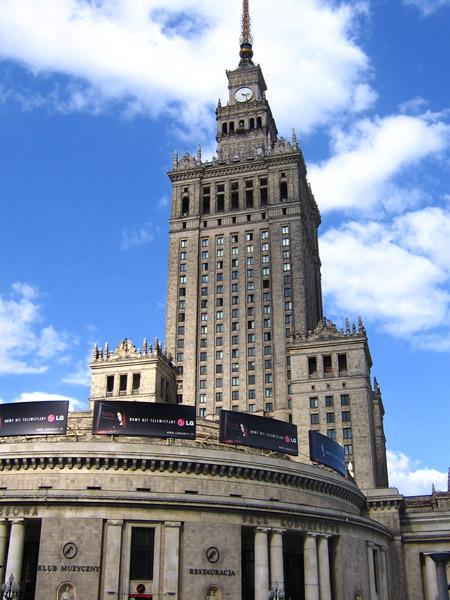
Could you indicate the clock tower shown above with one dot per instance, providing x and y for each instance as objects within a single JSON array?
[{"x": 244, "y": 267}]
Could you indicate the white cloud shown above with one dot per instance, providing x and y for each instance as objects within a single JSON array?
[
  {"x": 74, "y": 403},
  {"x": 80, "y": 376},
  {"x": 396, "y": 273},
  {"x": 366, "y": 160},
  {"x": 169, "y": 56},
  {"x": 137, "y": 237},
  {"x": 410, "y": 478},
  {"x": 427, "y": 7},
  {"x": 26, "y": 345}
]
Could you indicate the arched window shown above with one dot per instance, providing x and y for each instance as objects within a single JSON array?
[
  {"x": 232, "y": 127},
  {"x": 185, "y": 206},
  {"x": 224, "y": 128},
  {"x": 252, "y": 124},
  {"x": 283, "y": 191},
  {"x": 259, "y": 123},
  {"x": 242, "y": 124}
]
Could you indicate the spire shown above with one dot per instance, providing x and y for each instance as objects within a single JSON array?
[{"x": 246, "y": 52}]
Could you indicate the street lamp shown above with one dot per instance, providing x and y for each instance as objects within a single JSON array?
[
  {"x": 277, "y": 592},
  {"x": 10, "y": 590}
]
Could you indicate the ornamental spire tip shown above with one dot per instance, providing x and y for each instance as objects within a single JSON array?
[{"x": 246, "y": 40}]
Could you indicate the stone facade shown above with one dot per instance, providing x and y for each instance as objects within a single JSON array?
[{"x": 332, "y": 393}]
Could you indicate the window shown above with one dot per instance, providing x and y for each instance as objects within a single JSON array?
[
  {"x": 219, "y": 252},
  {"x": 203, "y": 370},
  {"x": 205, "y": 242},
  {"x": 267, "y": 350},
  {"x": 235, "y": 408},
  {"x": 234, "y": 195},
  {"x": 250, "y": 248},
  {"x": 249, "y": 194},
  {"x": 287, "y": 279},
  {"x": 235, "y": 251},
  {"x": 250, "y": 298},
  {"x": 235, "y": 288},
  {"x": 250, "y": 286},
  {"x": 249, "y": 273},
  {"x": 180, "y": 344},
  {"x": 266, "y": 296},
  {"x": 235, "y": 367},
  {"x": 263, "y": 195},
  {"x": 235, "y": 381},
  {"x": 219, "y": 277},
  {"x": 288, "y": 306},
  {"x": 286, "y": 266},
  {"x": 250, "y": 311},
  {"x": 203, "y": 356},
  {"x": 181, "y": 317},
  {"x": 346, "y": 417},
  {"x": 181, "y": 330},
  {"x": 268, "y": 378},
  {"x": 202, "y": 412},
  {"x": 204, "y": 291},
  {"x": 219, "y": 328},
  {"x": 235, "y": 313},
  {"x": 288, "y": 292},
  {"x": 181, "y": 304},
  {"x": 204, "y": 304},
  {"x": 235, "y": 395},
  {"x": 267, "y": 310},
  {"x": 234, "y": 238},
  {"x": 205, "y": 254},
  {"x": 312, "y": 365},
  {"x": 235, "y": 326},
  {"x": 251, "y": 352},
  {"x": 182, "y": 279},
  {"x": 183, "y": 243},
  {"x": 342, "y": 363},
  {"x": 330, "y": 417},
  {"x": 251, "y": 394},
  {"x": 123, "y": 385},
  {"x": 219, "y": 241},
  {"x": 235, "y": 353},
  {"x": 266, "y": 271},
  {"x": 219, "y": 354},
  {"x": 314, "y": 419},
  {"x": 219, "y": 264},
  {"x": 220, "y": 197},
  {"x": 251, "y": 380},
  {"x": 219, "y": 382},
  {"x": 219, "y": 314},
  {"x": 202, "y": 398},
  {"x": 269, "y": 406},
  {"x": 219, "y": 289},
  {"x": 285, "y": 242},
  {"x": 268, "y": 393},
  {"x": 347, "y": 433},
  {"x": 331, "y": 433},
  {"x": 286, "y": 254},
  {"x": 219, "y": 369},
  {"x": 268, "y": 364},
  {"x": 183, "y": 267},
  {"x": 314, "y": 402},
  {"x": 267, "y": 323},
  {"x": 204, "y": 316},
  {"x": 329, "y": 401},
  {"x": 265, "y": 247},
  {"x": 252, "y": 408},
  {"x": 345, "y": 399},
  {"x": 266, "y": 259},
  {"x": 348, "y": 449},
  {"x": 251, "y": 365},
  {"x": 204, "y": 278},
  {"x": 251, "y": 337},
  {"x": 203, "y": 343},
  {"x": 234, "y": 275},
  {"x": 288, "y": 319},
  {"x": 203, "y": 384},
  {"x": 142, "y": 553},
  {"x": 235, "y": 340},
  {"x": 109, "y": 385},
  {"x": 327, "y": 365},
  {"x": 250, "y": 324},
  {"x": 267, "y": 336}
]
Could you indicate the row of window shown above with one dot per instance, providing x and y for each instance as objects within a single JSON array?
[
  {"x": 234, "y": 238},
  {"x": 329, "y": 401},
  {"x": 326, "y": 363},
  {"x": 268, "y": 408},
  {"x": 330, "y": 417},
  {"x": 252, "y": 124},
  {"x": 123, "y": 384}
]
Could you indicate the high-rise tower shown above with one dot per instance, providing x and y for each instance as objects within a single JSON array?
[{"x": 244, "y": 265}]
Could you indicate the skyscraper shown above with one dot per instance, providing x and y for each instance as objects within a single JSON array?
[{"x": 244, "y": 267}]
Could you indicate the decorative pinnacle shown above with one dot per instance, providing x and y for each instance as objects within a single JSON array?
[{"x": 246, "y": 40}]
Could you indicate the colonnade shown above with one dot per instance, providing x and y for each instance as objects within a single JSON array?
[
  {"x": 269, "y": 567},
  {"x": 12, "y": 561}
]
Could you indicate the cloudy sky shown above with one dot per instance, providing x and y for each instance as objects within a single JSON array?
[{"x": 96, "y": 94}]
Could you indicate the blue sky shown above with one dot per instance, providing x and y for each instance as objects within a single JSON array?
[{"x": 95, "y": 96}]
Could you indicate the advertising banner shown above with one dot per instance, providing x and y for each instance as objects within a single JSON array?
[
  {"x": 145, "y": 419},
  {"x": 34, "y": 418},
  {"x": 326, "y": 451},
  {"x": 258, "y": 432}
]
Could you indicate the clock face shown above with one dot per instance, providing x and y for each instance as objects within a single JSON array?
[{"x": 244, "y": 94}]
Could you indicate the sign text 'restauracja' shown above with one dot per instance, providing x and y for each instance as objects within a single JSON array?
[{"x": 214, "y": 572}]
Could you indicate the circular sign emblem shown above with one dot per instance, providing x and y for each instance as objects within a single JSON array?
[
  {"x": 212, "y": 555},
  {"x": 287, "y": 439},
  {"x": 70, "y": 550},
  {"x": 181, "y": 422},
  {"x": 51, "y": 418}
]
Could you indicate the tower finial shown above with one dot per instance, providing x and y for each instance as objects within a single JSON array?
[{"x": 246, "y": 52}]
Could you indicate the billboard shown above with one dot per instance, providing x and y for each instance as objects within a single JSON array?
[
  {"x": 34, "y": 418},
  {"x": 145, "y": 419},
  {"x": 326, "y": 451},
  {"x": 258, "y": 432}
]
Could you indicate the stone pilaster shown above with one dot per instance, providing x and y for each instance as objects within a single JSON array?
[
  {"x": 113, "y": 547},
  {"x": 3, "y": 544},
  {"x": 311, "y": 567},
  {"x": 15, "y": 551},
  {"x": 276, "y": 557},
  {"x": 171, "y": 559},
  {"x": 324, "y": 567},
  {"x": 431, "y": 580},
  {"x": 261, "y": 564},
  {"x": 372, "y": 582}
]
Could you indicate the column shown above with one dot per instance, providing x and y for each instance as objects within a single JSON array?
[
  {"x": 311, "y": 567},
  {"x": 171, "y": 559},
  {"x": 442, "y": 579},
  {"x": 3, "y": 542},
  {"x": 113, "y": 551},
  {"x": 372, "y": 583},
  {"x": 276, "y": 557},
  {"x": 261, "y": 564},
  {"x": 384, "y": 575},
  {"x": 324, "y": 568},
  {"x": 15, "y": 551},
  {"x": 431, "y": 582}
]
